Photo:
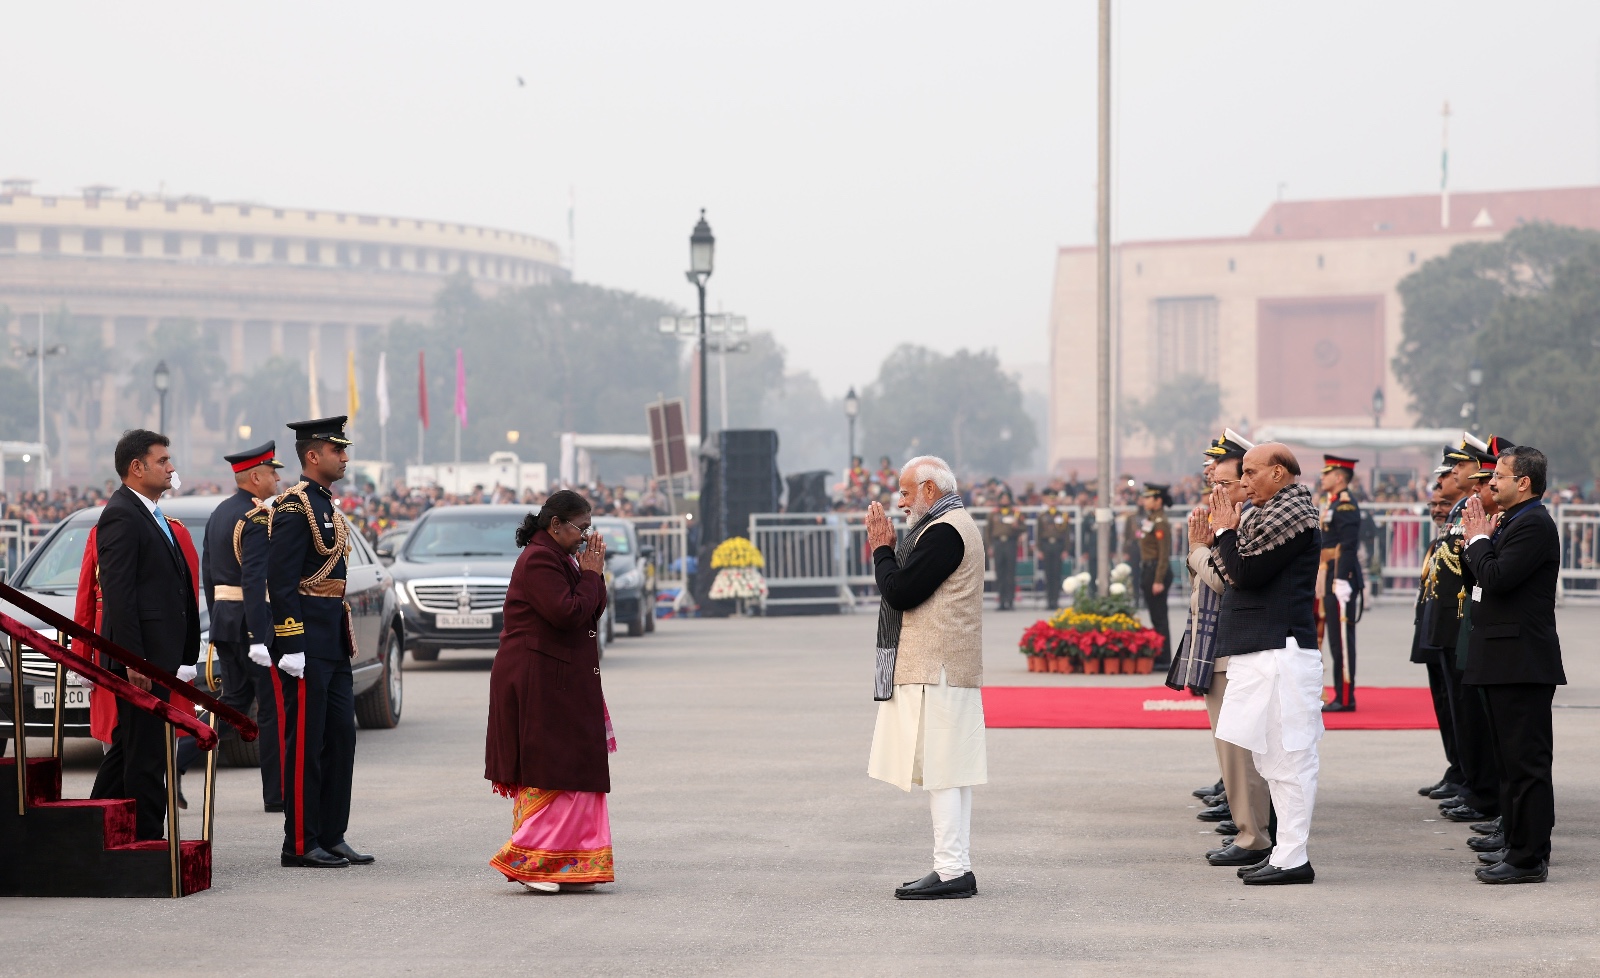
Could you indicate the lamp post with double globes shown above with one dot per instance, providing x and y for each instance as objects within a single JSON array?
[
  {"x": 702, "y": 248},
  {"x": 852, "y": 407},
  {"x": 1474, "y": 382},
  {"x": 163, "y": 381}
]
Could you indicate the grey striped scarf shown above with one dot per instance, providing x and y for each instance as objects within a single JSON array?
[{"x": 888, "y": 618}]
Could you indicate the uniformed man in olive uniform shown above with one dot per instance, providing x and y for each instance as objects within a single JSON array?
[
  {"x": 1155, "y": 562},
  {"x": 235, "y": 581},
  {"x": 1342, "y": 581},
  {"x": 1051, "y": 533},
  {"x": 312, "y": 648},
  {"x": 1002, "y": 529}
]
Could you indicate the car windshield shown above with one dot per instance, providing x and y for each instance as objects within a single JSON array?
[
  {"x": 616, "y": 539},
  {"x": 56, "y": 569},
  {"x": 459, "y": 534}
]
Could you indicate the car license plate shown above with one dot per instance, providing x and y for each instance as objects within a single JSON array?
[
  {"x": 484, "y": 620},
  {"x": 44, "y": 697}
]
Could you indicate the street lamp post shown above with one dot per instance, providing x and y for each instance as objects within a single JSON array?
[
  {"x": 1377, "y": 420},
  {"x": 1474, "y": 382},
  {"x": 702, "y": 247},
  {"x": 41, "y": 351},
  {"x": 852, "y": 407},
  {"x": 163, "y": 380}
]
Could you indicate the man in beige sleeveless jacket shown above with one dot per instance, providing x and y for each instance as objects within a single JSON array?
[{"x": 930, "y": 731}]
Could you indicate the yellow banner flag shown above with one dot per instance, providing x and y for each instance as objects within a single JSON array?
[{"x": 350, "y": 383}]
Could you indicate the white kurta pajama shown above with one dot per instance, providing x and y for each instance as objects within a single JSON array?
[
  {"x": 1273, "y": 708},
  {"x": 930, "y": 732}
]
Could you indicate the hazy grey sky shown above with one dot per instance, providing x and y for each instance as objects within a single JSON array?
[{"x": 875, "y": 172}]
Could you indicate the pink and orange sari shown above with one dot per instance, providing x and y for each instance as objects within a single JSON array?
[{"x": 558, "y": 836}]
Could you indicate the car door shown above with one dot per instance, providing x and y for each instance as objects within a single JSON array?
[{"x": 363, "y": 591}]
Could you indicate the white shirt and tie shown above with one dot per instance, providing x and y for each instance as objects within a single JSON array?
[{"x": 155, "y": 512}]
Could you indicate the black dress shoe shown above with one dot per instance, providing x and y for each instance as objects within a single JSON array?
[
  {"x": 1427, "y": 792},
  {"x": 1465, "y": 813},
  {"x": 1247, "y": 870},
  {"x": 1273, "y": 876},
  {"x": 1235, "y": 856},
  {"x": 1454, "y": 801},
  {"x": 1445, "y": 790},
  {"x": 1333, "y": 706},
  {"x": 1491, "y": 827},
  {"x": 1507, "y": 873},
  {"x": 926, "y": 881},
  {"x": 1486, "y": 843},
  {"x": 1216, "y": 813},
  {"x": 1209, "y": 789},
  {"x": 318, "y": 858},
  {"x": 960, "y": 888},
  {"x": 272, "y": 806},
  {"x": 1230, "y": 827},
  {"x": 356, "y": 858},
  {"x": 1490, "y": 858}
]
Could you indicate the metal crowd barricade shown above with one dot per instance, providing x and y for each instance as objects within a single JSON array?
[
  {"x": 1579, "y": 525},
  {"x": 669, "y": 536},
  {"x": 816, "y": 554}
]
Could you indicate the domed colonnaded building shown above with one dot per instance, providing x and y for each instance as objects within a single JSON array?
[{"x": 260, "y": 281}]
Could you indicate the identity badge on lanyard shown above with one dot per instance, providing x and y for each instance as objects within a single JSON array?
[{"x": 1477, "y": 592}]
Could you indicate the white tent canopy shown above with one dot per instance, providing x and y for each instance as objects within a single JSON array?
[{"x": 1378, "y": 438}]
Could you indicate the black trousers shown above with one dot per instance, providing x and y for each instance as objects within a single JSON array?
[
  {"x": 1480, "y": 772},
  {"x": 243, "y": 683},
  {"x": 1050, "y": 562},
  {"x": 136, "y": 767},
  {"x": 1342, "y": 646},
  {"x": 1519, "y": 724},
  {"x": 1005, "y": 572},
  {"x": 1439, "y": 688},
  {"x": 319, "y": 722},
  {"x": 1157, "y": 606}
]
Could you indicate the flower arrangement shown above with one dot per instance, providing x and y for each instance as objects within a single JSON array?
[
  {"x": 1104, "y": 639},
  {"x": 745, "y": 583},
  {"x": 736, "y": 552}
]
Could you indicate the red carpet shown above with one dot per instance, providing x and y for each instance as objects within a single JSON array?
[{"x": 1159, "y": 708}]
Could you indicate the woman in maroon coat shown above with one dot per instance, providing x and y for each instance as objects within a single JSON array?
[{"x": 549, "y": 732}]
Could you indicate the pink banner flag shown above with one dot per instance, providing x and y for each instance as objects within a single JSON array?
[{"x": 461, "y": 388}]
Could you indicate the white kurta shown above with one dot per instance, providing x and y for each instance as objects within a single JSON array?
[
  {"x": 932, "y": 736},
  {"x": 1296, "y": 675}
]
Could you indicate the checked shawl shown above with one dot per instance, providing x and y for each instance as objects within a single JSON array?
[
  {"x": 1282, "y": 518},
  {"x": 889, "y": 619}
]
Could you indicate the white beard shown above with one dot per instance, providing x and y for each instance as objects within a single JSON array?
[{"x": 919, "y": 509}]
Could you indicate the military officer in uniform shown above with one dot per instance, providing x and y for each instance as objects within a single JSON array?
[
  {"x": 1342, "y": 586},
  {"x": 1002, "y": 528},
  {"x": 312, "y": 648},
  {"x": 1155, "y": 562},
  {"x": 1051, "y": 533},
  {"x": 235, "y": 581}
]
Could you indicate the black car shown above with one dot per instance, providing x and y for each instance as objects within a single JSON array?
[
  {"x": 50, "y": 575},
  {"x": 452, "y": 573},
  {"x": 631, "y": 575}
]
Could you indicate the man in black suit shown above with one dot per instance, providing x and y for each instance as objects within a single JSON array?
[
  {"x": 235, "y": 582},
  {"x": 148, "y": 608},
  {"x": 1514, "y": 655}
]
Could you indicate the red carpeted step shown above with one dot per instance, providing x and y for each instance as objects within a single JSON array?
[
  {"x": 194, "y": 859},
  {"x": 44, "y": 778},
  {"x": 118, "y": 815}
]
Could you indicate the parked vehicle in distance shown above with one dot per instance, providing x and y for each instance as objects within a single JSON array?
[
  {"x": 632, "y": 575},
  {"x": 452, "y": 573},
  {"x": 50, "y": 576}
]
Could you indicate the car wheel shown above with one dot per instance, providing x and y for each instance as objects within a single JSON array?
[
  {"x": 611, "y": 627},
  {"x": 236, "y": 752},
  {"x": 379, "y": 707},
  {"x": 424, "y": 655},
  {"x": 650, "y": 613},
  {"x": 636, "y": 627}
]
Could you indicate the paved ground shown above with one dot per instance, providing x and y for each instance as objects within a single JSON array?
[{"x": 750, "y": 842}]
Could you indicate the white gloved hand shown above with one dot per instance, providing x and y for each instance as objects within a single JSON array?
[
  {"x": 186, "y": 673},
  {"x": 1341, "y": 590},
  {"x": 82, "y": 680},
  {"x": 294, "y": 665},
  {"x": 260, "y": 656}
]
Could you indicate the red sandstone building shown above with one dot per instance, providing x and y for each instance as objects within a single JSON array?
[{"x": 1297, "y": 320}]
